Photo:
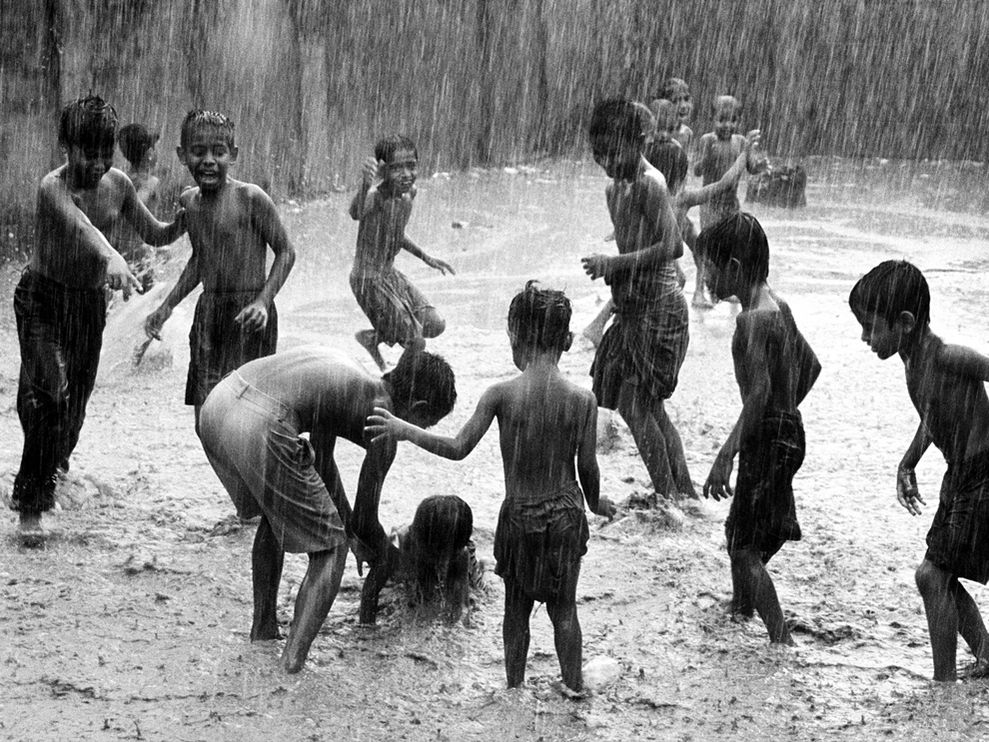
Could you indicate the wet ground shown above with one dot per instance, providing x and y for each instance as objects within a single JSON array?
[{"x": 132, "y": 623}]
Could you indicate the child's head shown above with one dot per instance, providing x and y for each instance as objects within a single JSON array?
[
  {"x": 737, "y": 252},
  {"x": 137, "y": 144},
  {"x": 399, "y": 161},
  {"x": 422, "y": 387},
  {"x": 670, "y": 159},
  {"x": 727, "y": 116},
  {"x": 618, "y": 132},
  {"x": 892, "y": 302},
  {"x": 206, "y": 147},
  {"x": 539, "y": 320},
  {"x": 442, "y": 526},
  {"x": 87, "y": 131},
  {"x": 667, "y": 119},
  {"x": 676, "y": 91}
]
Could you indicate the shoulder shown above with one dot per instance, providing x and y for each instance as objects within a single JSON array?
[
  {"x": 756, "y": 323},
  {"x": 54, "y": 179},
  {"x": 188, "y": 195},
  {"x": 250, "y": 192}
]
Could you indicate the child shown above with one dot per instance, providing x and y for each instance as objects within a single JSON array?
[
  {"x": 667, "y": 120},
  {"x": 638, "y": 361},
  {"x": 138, "y": 146},
  {"x": 718, "y": 150},
  {"x": 676, "y": 91},
  {"x": 775, "y": 368},
  {"x": 947, "y": 386},
  {"x": 250, "y": 427},
  {"x": 398, "y": 311},
  {"x": 60, "y": 303},
  {"x": 546, "y": 423},
  {"x": 230, "y": 225}
]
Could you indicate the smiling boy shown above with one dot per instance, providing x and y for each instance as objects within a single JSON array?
[{"x": 230, "y": 226}]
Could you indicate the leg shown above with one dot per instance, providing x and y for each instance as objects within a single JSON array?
[
  {"x": 316, "y": 593},
  {"x": 433, "y": 324},
  {"x": 637, "y": 414},
  {"x": 595, "y": 330},
  {"x": 515, "y": 632},
  {"x": 82, "y": 357},
  {"x": 753, "y": 586},
  {"x": 566, "y": 632},
  {"x": 368, "y": 340},
  {"x": 266, "y": 570},
  {"x": 382, "y": 568},
  {"x": 970, "y": 624},
  {"x": 936, "y": 588},
  {"x": 674, "y": 452}
]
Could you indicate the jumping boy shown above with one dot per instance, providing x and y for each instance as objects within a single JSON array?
[
  {"x": 718, "y": 150},
  {"x": 638, "y": 360},
  {"x": 137, "y": 145},
  {"x": 775, "y": 368},
  {"x": 230, "y": 226},
  {"x": 545, "y": 424},
  {"x": 250, "y": 427},
  {"x": 398, "y": 311},
  {"x": 60, "y": 302},
  {"x": 947, "y": 386}
]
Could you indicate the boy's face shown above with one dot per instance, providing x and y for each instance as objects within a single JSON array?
[
  {"x": 684, "y": 103},
  {"x": 883, "y": 338},
  {"x": 208, "y": 155},
  {"x": 723, "y": 283},
  {"x": 619, "y": 158},
  {"x": 88, "y": 163},
  {"x": 726, "y": 122},
  {"x": 400, "y": 172}
]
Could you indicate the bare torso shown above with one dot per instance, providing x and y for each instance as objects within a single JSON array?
[{"x": 381, "y": 231}]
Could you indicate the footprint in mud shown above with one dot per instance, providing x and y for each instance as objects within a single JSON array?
[{"x": 829, "y": 635}]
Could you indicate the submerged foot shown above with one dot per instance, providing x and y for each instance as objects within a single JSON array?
[
  {"x": 30, "y": 530},
  {"x": 265, "y": 632}
]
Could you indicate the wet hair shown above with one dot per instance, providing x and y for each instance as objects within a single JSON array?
[
  {"x": 88, "y": 122},
  {"x": 671, "y": 86},
  {"x": 737, "y": 237},
  {"x": 442, "y": 524},
  {"x": 660, "y": 108},
  {"x": 670, "y": 159},
  {"x": 540, "y": 318},
  {"x": 135, "y": 141},
  {"x": 892, "y": 287},
  {"x": 622, "y": 120},
  {"x": 723, "y": 101},
  {"x": 200, "y": 119},
  {"x": 386, "y": 147},
  {"x": 421, "y": 376}
]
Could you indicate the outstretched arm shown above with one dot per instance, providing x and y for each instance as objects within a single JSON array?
[
  {"x": 383, "y": 425},
  {"x": 689, "y": 197},
  {"x": 188, "y": 280},
  {"x": 441, "y": 265},
  {"x": 151, "y": 230}
]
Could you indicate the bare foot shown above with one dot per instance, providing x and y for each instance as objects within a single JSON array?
[
  {"x": 266, "y": 632},
  {"x": 294, "y": 658},
  {"x": 30, "y": 530},
  {"x": 368, "y": 339},
  {"x": 977, "y": 670}
]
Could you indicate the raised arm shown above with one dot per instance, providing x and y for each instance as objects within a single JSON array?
[
  {"x": 689, "y": 197},
  {"x": 383, "y": 424},
  {"x": 358, "y": 205}
]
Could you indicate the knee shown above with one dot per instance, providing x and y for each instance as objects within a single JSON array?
[
  {"x": 930, "y": 578},
  {"x": 433, "y": 325}
]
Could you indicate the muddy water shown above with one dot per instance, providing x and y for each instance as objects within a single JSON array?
[{"x": 132, "y": 623}]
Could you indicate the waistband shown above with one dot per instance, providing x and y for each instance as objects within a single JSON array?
[
  {"x": 43, "y": 282},
  {"x": 241, "y": 389}
]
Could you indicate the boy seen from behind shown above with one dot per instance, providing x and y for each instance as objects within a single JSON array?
[
  {"x": 548, "y": 434},
  {"x": 947, "y": 386}
]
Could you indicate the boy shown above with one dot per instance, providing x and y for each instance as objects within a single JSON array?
[
  {"x": 230, "y": 225},
  {"x": 718, "y": 150},
  {"x": 677, "y": 92},
  {"x": 638, "y": 360},
  {"x": 946, "y": 385},
  {"x": 137, "y": 145},
  {"x": 398, "y": 311},
  {"x": 250, "y": 426},
  {"x": 545, "y": 423},
  {"x": 775, "y": 368},
  {"x": 60, "y": 303}
]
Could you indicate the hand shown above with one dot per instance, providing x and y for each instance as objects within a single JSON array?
[
  {"x": 152, "y": 325},
  {"x": 119, "y": 276},
  {"x": 253, "y": 317},
  {"x": 596, "y": 266},
  {"x": 370, "y": 170},
  {"x": 606, "y": 508},
  {"x": 382, "y": 424},
  {"x": 718, "y": 481},
  {"x": 441, "y": 265},
  {"x": 906, "y": 490}
]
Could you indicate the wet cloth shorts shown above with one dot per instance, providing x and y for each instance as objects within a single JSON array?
[
  {"x": 958, "y": 541},
  {"x": 392, "y": 304},
  {"x": 252, "y": 441}
]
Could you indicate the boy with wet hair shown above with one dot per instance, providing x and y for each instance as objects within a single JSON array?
[
  {"x": 638, "y": 360},
  {"x": 677, "y": 92},
  {"x": 718, "y": 150},
  {"x": 947, "y": 386},
  {"x": 398, "y": 311},
  {"x": 231, "y": 225},
  {"x": 546, "y": 423},
  {"x": 137, "y": 145},
  {"x": 60, "y": 301},
  {"x": 250, "y": 427},
  {"x": 775, "y": 368}
]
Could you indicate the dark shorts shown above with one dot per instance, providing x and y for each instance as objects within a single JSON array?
[
  {"x": 763, "y": 513},
  {"x": 392, "y": 304},
  {"x": 218, "y": 345},
  {"x": 958, "y": 541},
  {"x": 539, "y": 544}
]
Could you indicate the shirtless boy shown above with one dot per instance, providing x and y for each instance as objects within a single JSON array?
[
  {"x": 231, "y": 225},
  {"x": 60, "y": 302},
  {"x": 250, "y": 427},
  {"x": 775, "y": 368},
  {"x": 947, "y": 386},
  {"x": 546, "y": 423},
  {"x": 398, "y": 311},
  {"x": 138, "y": 147}
]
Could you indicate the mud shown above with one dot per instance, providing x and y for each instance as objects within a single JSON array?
[{"x": 132, "y": 622}]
